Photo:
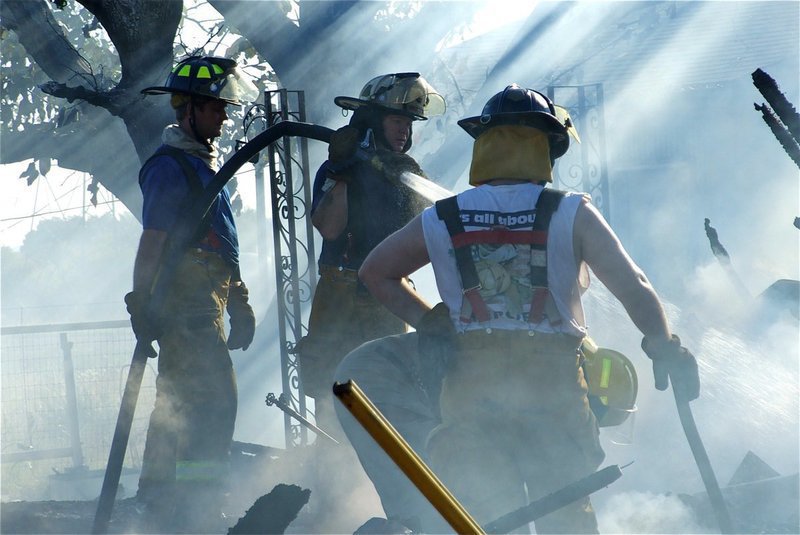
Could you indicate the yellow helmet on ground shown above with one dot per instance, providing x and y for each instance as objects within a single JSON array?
[{"x": 613, "y": 384}]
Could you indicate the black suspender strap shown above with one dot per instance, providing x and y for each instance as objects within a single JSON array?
[
  {"x": 546, "y": 205},
  {"x": 193, "y": 180},
  {"x": 447, "y": 210}
]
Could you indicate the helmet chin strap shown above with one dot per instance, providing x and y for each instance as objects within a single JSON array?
[
  {"x": 371, "y": 118},
  {"x": 193, "y": 125}
]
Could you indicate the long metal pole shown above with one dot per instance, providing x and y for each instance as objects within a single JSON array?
[
  {"x": 72, "y": 403},
  {"x": 122, "y": 432},
  {"x": 404, "y": 456},
  {"x": 704, "y": 465}
]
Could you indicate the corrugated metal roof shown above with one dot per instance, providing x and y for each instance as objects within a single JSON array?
[
  {"x": 471, "y": 61},
  {"x": 646, "y": 44},
  {"x": 701, "y": 43}
]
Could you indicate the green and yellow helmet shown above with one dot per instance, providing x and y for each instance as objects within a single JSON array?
[
  {"x": 613, "y": 384},
  {"x": 405, "y": 93},
  {"x": 209, "y": 77}
]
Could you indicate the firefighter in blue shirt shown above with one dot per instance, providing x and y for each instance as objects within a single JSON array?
[
  {"x": 191, "y": 426},
  {"x": 355, "y": 206},
  {"x": 357, "y": 203}
]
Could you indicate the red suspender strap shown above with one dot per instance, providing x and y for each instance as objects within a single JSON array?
[{"x": 448, "y": 212}]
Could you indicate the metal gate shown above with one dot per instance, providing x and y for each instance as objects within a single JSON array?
[
  {"x": 287, "y": 166},
  {"x": 584, "y": 169}
]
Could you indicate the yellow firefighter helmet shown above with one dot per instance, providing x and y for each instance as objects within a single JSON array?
[{"x": 613, "y": 384}]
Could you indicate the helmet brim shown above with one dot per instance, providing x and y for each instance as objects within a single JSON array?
[
  {"x": 162, "y": 90},
  {"x": 156, "y": 90},
  {"x": 477, "y": 125},
  {"x": 352, "y": 103},
  {"x": 556, "y": 131}
]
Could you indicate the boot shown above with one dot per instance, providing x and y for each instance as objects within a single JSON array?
[
  {"x": 199, "y": 509},
  {"x": 155, "y": 507}
]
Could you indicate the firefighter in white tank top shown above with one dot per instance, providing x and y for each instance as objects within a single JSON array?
[{"x": 510, "y": 261}]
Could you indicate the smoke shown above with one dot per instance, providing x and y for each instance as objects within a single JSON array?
[
  {"x": 645, "y": 512},
  {"x": 682, "y": 143},
  {"x": 748, "y": 403}
]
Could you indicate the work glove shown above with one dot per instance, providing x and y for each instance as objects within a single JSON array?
[
  {"x": 673, "y": 362},
  {"x": 342, "y": 150},
  {"x": 146, "y": 327},
  {"x": 436, "y": 338},
  {"x": 243, "y": 319}
]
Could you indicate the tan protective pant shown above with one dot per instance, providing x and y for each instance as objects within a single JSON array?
[
  {"x": 515, "y": 414},
  {"x": 343, "y": 316},
  {"x": 191, "y": 426}
]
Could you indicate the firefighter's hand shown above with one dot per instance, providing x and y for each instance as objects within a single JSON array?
[
  {"x": 435, "y": 337},
  {"x": 673, "y": 362},
  {"x": 243, "y": 319},
  {"x": 436, "y": 324},
  {"x": 145, "y": 327},
  {"x": 342, "y": 152}
]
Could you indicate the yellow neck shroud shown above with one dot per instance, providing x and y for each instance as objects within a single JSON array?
[{"x": 511, "y": 151}]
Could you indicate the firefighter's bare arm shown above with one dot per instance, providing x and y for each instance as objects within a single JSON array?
[
  {"x": 148, "y": 257},
  {"x": 597, "y": 245},
  {"x": 386, "y": 268},
  {"x": 330, "y": 216}
]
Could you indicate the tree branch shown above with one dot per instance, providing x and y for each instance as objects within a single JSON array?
[
  {"x": 103, "y": 99},
  {"x": 142, "y": 31},
  {"x": 45, "y": 41}
]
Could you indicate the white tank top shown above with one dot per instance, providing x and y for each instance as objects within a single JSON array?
[{"x": 504, "y": 271}]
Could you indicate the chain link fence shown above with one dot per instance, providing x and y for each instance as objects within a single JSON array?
[{"x": 60, "y": 394}]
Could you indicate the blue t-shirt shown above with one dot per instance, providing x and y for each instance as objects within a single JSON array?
[{"x": 165, "y": 188}]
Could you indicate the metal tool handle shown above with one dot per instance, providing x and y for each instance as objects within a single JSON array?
[
  {"x": 704, "y": 465},
  {"x": 406, "y": 458}
]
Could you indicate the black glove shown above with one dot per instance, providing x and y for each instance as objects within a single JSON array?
[
  {"x": 673, "y": 362},
  {"x": 342, "y": 152},
  {"x": 243, "y": 319},
  {"x": 436, "y": 337},
  {"x": 145, "y": 327}
]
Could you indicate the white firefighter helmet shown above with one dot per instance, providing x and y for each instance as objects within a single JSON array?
[{"x": 405, "y": 93}]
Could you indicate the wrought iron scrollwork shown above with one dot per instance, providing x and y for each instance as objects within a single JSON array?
[
  {"x": 293, "y": 243},
  {"x": 584, "y": 167}
]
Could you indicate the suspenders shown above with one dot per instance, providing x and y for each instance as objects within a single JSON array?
[
  {"x": 448, "y": 212},
  {"x": 193, "y": 180},
  {"x": 545, "y": 206}
]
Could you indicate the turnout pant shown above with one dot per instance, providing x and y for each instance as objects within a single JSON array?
[
  {"x": 343, "y": 316},
  {"x": 515, "y": 415},
  {"x": 192, "y": 423}
]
